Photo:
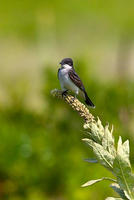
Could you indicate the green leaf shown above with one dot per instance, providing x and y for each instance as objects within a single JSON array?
[
  {"x": 91, "y": 182},
  {"x": 91, "y": 160},
  {"x": 99, "y": 124},
  {"x": 117, "y": 189},
  {"x": 104, "y": 157},
  {"x": 126, "y": 151},
  {"x": 122, "y": 169},
  {"x": 94, "y": 132},
  {"x": 108, "y": 141}
]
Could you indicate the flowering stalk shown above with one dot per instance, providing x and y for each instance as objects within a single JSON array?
[
  {"x": 75, "y": 104},
  {"x": 101, "y": 140}
]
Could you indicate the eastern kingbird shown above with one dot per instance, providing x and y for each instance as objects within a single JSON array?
[{"x": 69, "y": 80}]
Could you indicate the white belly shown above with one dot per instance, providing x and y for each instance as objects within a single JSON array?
[{"x": 66, "y": 83}]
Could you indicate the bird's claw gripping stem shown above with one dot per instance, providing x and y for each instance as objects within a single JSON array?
[{"x": 64, "y": 93}]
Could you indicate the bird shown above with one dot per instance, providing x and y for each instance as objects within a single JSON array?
[{"x": 70, "y": 81}]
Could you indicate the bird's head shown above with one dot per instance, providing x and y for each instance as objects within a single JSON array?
[{"x": 67, "y": 63}]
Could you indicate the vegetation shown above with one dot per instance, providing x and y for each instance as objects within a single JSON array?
[
  {"x": 103, "y": 145},
  {"x": 41, "y": 153}
]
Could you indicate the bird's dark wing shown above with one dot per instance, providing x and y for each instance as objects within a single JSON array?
[{"x": 75, "y": 79}]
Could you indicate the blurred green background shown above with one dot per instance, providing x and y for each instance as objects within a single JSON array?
[{"x": 41, "y": 152}]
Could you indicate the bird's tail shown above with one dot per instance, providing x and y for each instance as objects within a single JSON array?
[{"x": 88, "y": 101}]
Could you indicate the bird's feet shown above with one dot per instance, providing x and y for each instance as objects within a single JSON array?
[{"x": 64, "y": 93}]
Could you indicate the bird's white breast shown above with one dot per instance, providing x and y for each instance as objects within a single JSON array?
[{"x": 65, "y": 81}]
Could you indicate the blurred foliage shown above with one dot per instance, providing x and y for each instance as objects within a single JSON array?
[{"x": 41, "y": 153}]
